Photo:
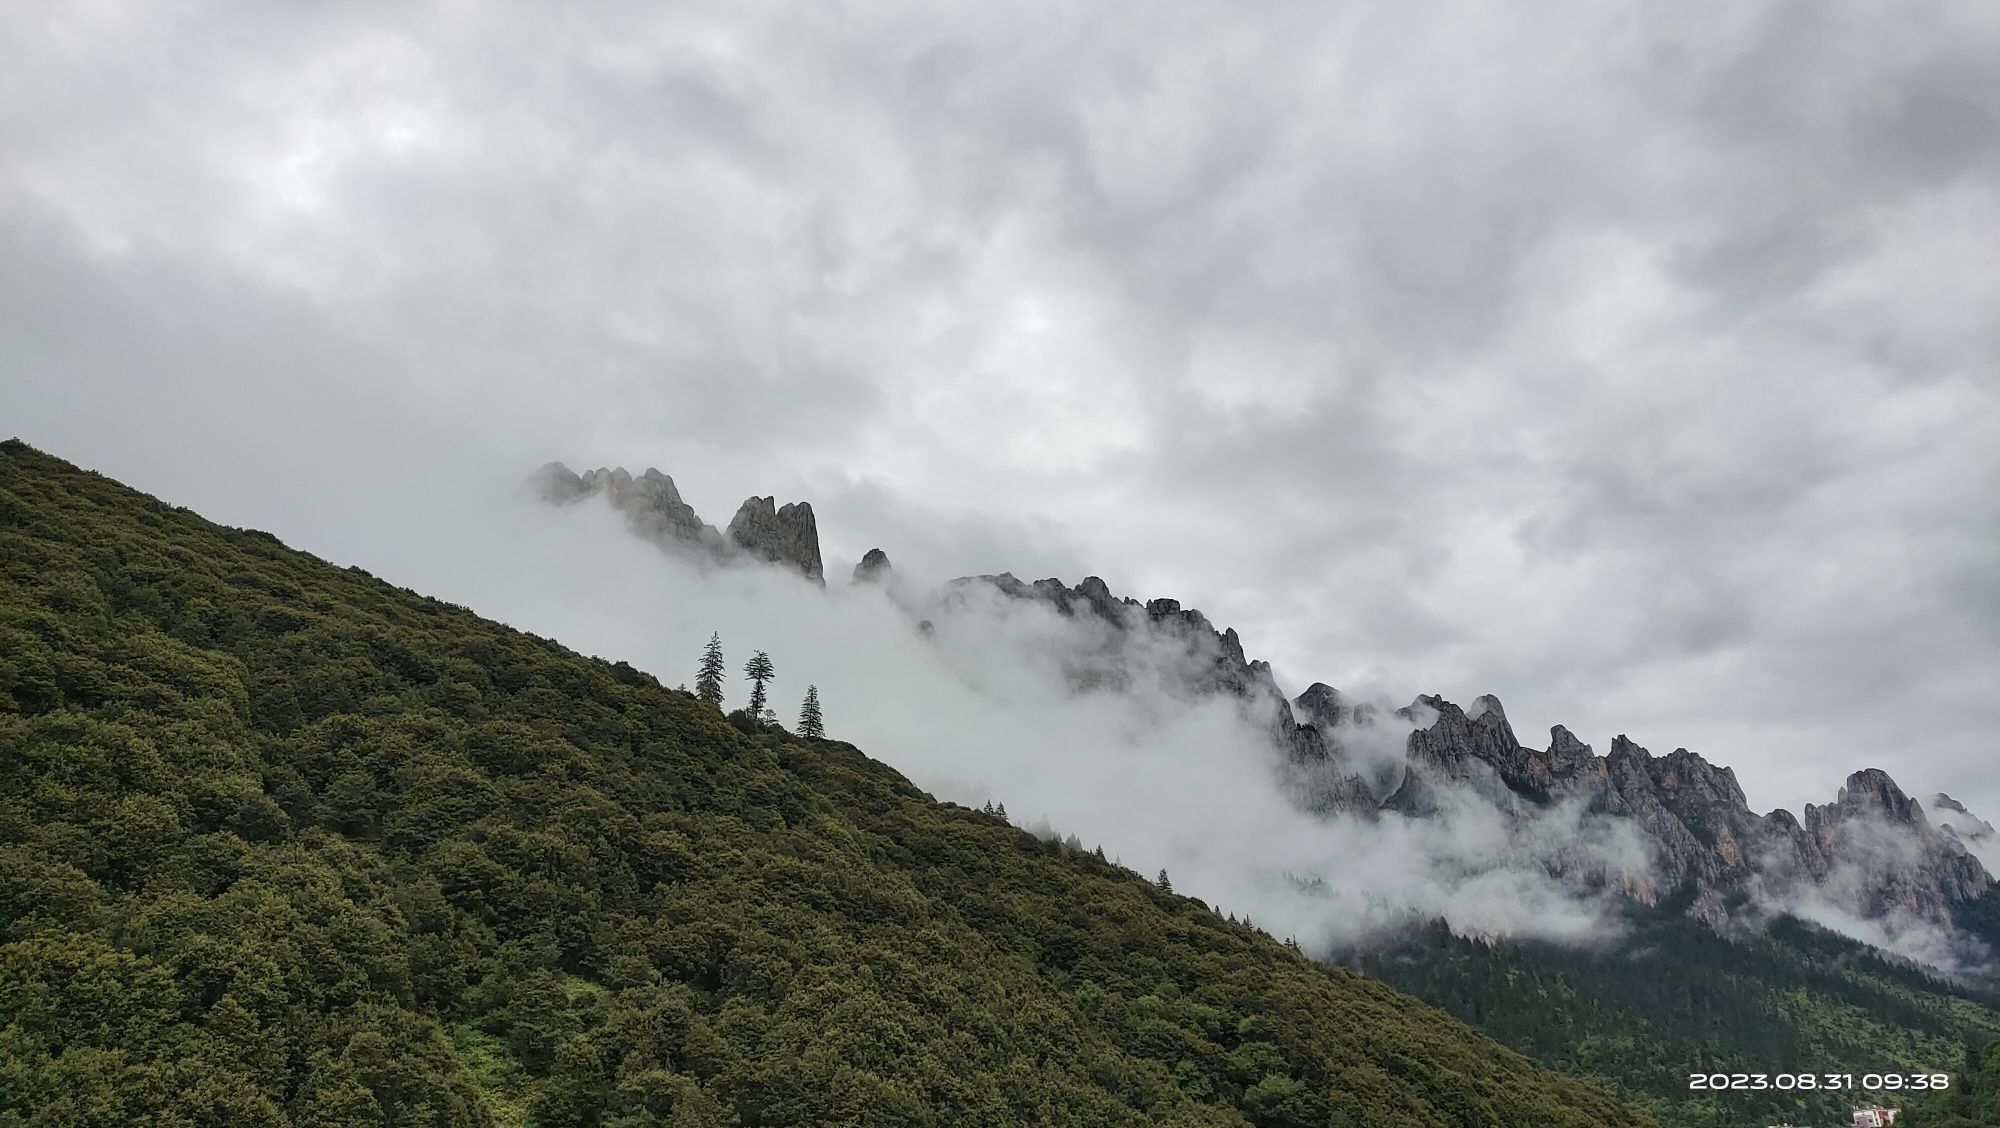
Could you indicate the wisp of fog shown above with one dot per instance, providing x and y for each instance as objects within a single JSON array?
[{"x": 983, "y": 706}]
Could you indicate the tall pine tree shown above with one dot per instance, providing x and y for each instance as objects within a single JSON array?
[
  {"x": 810, "y": 724},
  {"x": 759, "y": 670},
  {"x": 708, "y": 683}
]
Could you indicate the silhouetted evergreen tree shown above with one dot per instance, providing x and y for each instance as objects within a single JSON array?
[
  {"x": 759, "y": 670},
  {"x": 811, "y": 725},
  {"x": 708, "y": 683},
  {"x": 1163, "y": 883}
]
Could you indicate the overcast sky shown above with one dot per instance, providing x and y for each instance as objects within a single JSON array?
[{"x": 1639, "y": 363}]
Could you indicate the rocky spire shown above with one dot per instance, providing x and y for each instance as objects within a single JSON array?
[
  {"x": 1327, "y": 707},
  {"x": 654, "y": 509},
  {"x": 874, "y": 567},
  {"x": 1877, "y": 841},
  {"x": 1870, "y": 792},
  {"x": 779, "y": 534}
]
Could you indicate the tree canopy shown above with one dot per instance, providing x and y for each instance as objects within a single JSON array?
[
  {"x": 758, "y": 670},
  {"x": 708, "y": 681},
  {"x": 811, "y": 725}
]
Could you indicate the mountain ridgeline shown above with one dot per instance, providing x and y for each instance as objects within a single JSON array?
[
  {"x": 1872, "y": 853},
  {"x": 762, "y": 530},
  {"x": 1702, "y": 958},
  {"x": 283, "y": 844}
]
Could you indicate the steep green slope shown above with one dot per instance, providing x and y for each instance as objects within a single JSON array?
[
  {"x": 283, "y": 844},
  {"x": 1674, "y": 999}
]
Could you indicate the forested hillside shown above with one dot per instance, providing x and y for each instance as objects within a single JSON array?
[
  {"x": 1974, "y": 1102},
  {"x": 283, "y": 844},
  {"x": 1674, "y": 999}
]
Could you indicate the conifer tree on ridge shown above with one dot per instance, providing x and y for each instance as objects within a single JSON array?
[
  {"x": 759, "y": 670},
  {"x": 708, "y": 683},
  {"x": 811, "y": 725}
]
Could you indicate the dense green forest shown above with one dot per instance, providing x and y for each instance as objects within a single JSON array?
[
  {"x": 281, "y": 844},
  {"x": 1672, "y": 999},
  {"x": 1973, "y": 1102}
]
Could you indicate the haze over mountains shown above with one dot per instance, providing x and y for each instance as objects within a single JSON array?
[{"x": 1392, "y": 812}]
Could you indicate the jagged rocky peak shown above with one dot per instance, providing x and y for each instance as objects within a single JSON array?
[
  {"x": 1567, "y": 755},
  {"x": 1683, "y": 777},
  {"x": 778, "y": 534},
  {"x": 1454, "y": 734},
  {"x": 1951, "y": 815},
  {"x": 874, "y": 567},
  {"x": 654, "y": 509},
  {"x": 1218, "y": 658},
  {"x": 1170, "y": 611},
  {"x": 1871, "y": 792},
  {"x": 1327, "y": 707},
  {"x": 1092, "y": 596},
  {"x": 651, "y": 504},
  {"x": 1871, "y": 850},
  {"x": 1006, "y": 583},
  {"x": 1882, "y": 840},
  {"x": 557, "y": 483}
]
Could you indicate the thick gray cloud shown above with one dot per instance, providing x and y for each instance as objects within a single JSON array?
[{"x": 1637, "y": 363}]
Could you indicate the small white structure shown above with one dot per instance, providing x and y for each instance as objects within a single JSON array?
[{"x": 1874, "y": 1117}]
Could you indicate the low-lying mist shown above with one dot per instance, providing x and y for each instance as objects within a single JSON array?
[{"x": 985, "y": 705}]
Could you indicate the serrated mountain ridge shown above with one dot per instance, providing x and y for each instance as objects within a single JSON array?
[{"x": 1872, "y": 850}]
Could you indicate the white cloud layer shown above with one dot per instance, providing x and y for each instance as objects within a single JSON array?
[{"x": 982, "y": 708}]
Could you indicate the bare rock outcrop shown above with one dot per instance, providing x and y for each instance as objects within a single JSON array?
[
  {"x": 777, "y": 534},
  {"x": 874, "y": 567},
  {"x": 654, "y": 509},
  {"x": 652, "y": 506},
  {"x": 1872, "y": 850}
]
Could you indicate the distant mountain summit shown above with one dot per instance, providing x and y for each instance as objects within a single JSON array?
[
  {"x": 786, "y": 535},
  {"x": 1872, "y": 851}
]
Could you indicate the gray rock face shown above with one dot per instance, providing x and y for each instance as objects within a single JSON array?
[
  {"x": 1567, "y": 756},
  {"x": 1876, "y": 840},
  {"x": 874, "y": 567},
  {"x": 654, "y": 509},
  {"x": 1216, "y": 663},
  {"x": 1871, "y": 850},
  {"x": 1954, "y": 819},
  {"x": 1328, "y": 707},
  {"x": 651, "y": 504},
  {"x": 1334, "y": 782},
  {"x": 1455, "y": 748},
  {"x": 785, "y": 534},
  {"x": 556, "y": 484}
]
